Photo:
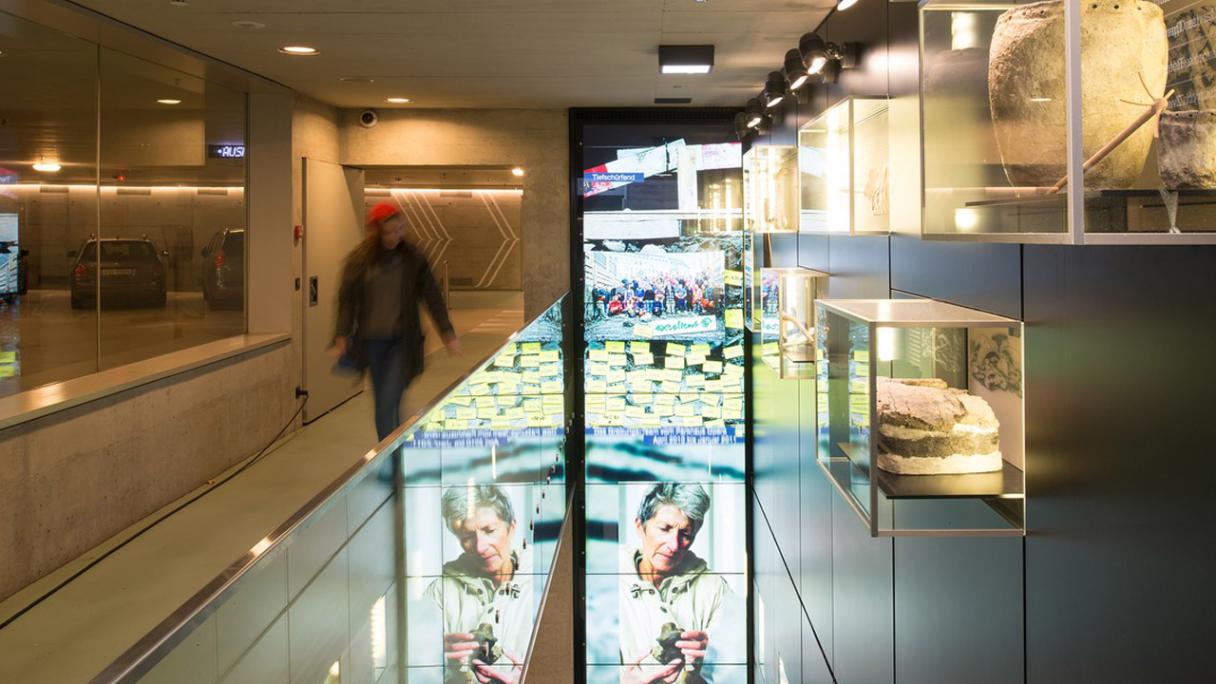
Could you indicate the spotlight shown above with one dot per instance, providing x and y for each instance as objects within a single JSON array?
[
  {"x": 518, "y": 172},
  {"x": 741, "y": 127},
  {"x": 795, "y": 70},
  {"x": 754, "y": 112},
  {"x": 47, "y": 167},
  {"x": 816, "y": 53},
  {"x": 686, "y": 59},
  {"x": 774, "y": 89}
]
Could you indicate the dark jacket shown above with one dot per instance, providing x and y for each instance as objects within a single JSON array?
[{"x": 417, "y": 282}]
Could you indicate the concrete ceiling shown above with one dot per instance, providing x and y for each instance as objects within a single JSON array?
[{"x": 488, "y": 53}]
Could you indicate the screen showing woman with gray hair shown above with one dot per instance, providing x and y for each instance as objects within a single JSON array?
[
  {"x": 669, "y": 599},
  {"x": 486, "y": 593}
]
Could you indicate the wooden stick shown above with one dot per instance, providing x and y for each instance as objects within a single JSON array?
[{"x": 1153, "y": 110}]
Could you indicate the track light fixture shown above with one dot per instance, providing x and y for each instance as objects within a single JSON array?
[
  {"x": 774, "y": 89},
  {"x": 816, "y": 53},
  {"x": 754, "y": 112},
  {"x": 795, "y": 70},
  {"x": 742, "y": 130}
]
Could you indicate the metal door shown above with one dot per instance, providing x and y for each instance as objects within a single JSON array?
[{"x": 333, "y": 226}]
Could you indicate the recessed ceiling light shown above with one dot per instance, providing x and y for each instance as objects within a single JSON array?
[
  {"x": 47, "y": 167},
  {"x": 169, "y": 101},
  {"x": 179, "y": 3},
  {"x": 686, "y": 59},
  {"x": 299, "y": 50},
  {"x": 518, "y": 172},
  {"x": 248, "y": 25},
  {"x": 398, "y": 100},
  {"x": 356, "y": 79}
]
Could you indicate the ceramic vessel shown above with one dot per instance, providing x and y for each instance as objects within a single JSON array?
[
  {"x": 1186, "y": 153},
  {"x": 1122, "y": 42}
]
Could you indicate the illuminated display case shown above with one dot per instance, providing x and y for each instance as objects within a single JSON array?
[
  {"x": 1018, "y": 148},
  {"x": 921, "y": 416},
  {"x": 843, "y": 160},
  {"x": 787, "y": 319},
  {"x": 770, "y": 174}
]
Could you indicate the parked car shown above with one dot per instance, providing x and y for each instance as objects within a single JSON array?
[
  {"x": 224, "y": 269},
  {"x": 132, "y": 272}
]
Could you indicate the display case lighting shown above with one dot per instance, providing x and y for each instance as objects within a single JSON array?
[
  {"x": 774, "y": 89},
  {"x": 795, "y": 70},
  {"x": 754, "y": 112}
]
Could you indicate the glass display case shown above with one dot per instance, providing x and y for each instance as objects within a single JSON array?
[
  {"x": 1018, "y": 148},
  {"x": 787, "y": 319},
  {"x": 843, "y": 162},
  {"x": 921, "y": 416},
  {"x": 770, "y": 174}
]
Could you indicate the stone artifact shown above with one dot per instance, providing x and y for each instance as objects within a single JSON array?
[
  {"x": 927, "y": 428},
  {"x": 1186, "y": 153},
  {"x": 1123, "y": 52},
  {"x": 665, "y": 651}
]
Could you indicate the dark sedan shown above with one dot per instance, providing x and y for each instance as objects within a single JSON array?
[{"x": 132, "y": 273}]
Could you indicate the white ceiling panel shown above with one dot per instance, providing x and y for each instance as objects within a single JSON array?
[{"x": 488, "y": 53}]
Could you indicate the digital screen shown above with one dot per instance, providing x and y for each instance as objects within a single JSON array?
[
  {"x": 663, "y": 296},
  {"x": 226, "y": 151}
]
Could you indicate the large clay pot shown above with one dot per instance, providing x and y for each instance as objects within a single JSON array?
[
  {"x": 1120, "y": 39},
  {"x": 1186, "y": 154}
]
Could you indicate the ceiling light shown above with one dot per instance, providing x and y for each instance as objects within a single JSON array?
[
  {"x": 774, "y": 89},
  {"x": 47, "y": 167},
  {"x": 169, "y": 101},
  {"x": 299, "y": 50},
  {"x": 754, "y": 112},
  {"x": 686, "y": 59},
  {"x": 741, "y": 127},
  {"x": 518, "y": 172},
  {"x": 795, "y": 70},
  {"x": 356, "y": 79},
  {"x": 843, "y": 5},
  {"x": 248, "y": 25},
  {"x": 179, "y": 3},
  {"x": 398, "y": 100}
]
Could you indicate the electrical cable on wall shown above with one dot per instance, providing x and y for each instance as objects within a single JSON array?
[{"x": 210, "y": 486}]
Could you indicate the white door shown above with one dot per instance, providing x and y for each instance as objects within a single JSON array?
[{"x": 333, "y": 226}]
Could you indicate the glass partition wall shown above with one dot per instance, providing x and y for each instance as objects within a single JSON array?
[{"x": 122, "y": 208}]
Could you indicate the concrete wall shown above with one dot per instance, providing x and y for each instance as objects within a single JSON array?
[
  {"x": 70, "y": 480},
  {"x": 537, "y": 140}
]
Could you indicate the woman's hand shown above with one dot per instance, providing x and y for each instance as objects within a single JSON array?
[
  {"x": 338, "y": 349},
  {"x": 499, "y": 673},
  {"x": 637, "y": 673},
  {"x": 694, "y": 644},
  {"x": 452, "y": 343}
]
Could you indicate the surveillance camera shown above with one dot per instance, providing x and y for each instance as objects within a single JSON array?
[{"x": 368, "y": 118}]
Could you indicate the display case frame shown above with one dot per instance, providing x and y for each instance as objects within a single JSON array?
[
  {"x": 791, "y": 288},
  {"x": 1138, "y": 209},
  {"x": 771, "y": 187},
  {"x": 857, "y": 341},
  {"x": 830, "y": 203}
]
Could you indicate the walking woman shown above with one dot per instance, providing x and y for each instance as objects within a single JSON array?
[{"x": 379, "y": 329}]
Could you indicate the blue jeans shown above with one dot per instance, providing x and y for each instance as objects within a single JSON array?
[{"x": 386, "y": 363}]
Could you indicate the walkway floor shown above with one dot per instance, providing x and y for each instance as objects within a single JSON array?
[{"x": 78, "y": 631}]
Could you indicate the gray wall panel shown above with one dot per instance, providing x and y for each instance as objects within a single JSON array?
[
  {"x": 815, "y": 582},
  {"x": 1119, "y": 555},
  {"x": 958, "y": 610},
  {"x": 980, "y": 276},
  {"x": 863, "y": 635},
  {"x": 813, "y": 252},
  {"x": 860, "y": 267}
]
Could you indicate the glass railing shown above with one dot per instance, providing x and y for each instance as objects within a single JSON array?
[{"x": 428, "y": 562}]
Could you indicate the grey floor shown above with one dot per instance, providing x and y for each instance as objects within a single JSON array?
[{"x": 73, "y": 635}]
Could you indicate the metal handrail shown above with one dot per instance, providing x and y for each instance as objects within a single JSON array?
[{"x": 172, "y": 630}]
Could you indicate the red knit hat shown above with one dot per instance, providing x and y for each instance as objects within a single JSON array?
[{"x": 381, "y": 213}]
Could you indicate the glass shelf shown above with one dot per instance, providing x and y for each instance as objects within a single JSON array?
[
  {"x": 843, "y": 159},
  {"x": 770, "y": 179},
  {"x": 920, "y": 413}
]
